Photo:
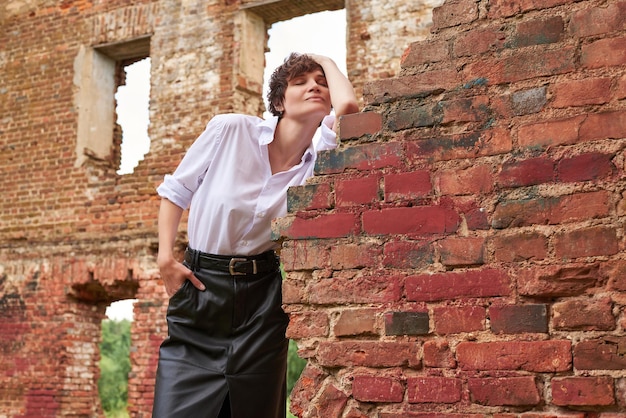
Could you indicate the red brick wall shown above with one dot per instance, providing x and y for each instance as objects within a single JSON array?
[{"x": 462, "y": 252}]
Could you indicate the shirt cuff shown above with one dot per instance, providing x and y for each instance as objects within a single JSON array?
[{"x": 173, "y": 191}]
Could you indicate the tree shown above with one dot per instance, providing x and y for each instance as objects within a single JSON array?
[{"x": 114, "y": 366}]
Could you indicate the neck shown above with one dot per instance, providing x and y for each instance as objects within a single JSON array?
[{"x": 291, "y": 140}]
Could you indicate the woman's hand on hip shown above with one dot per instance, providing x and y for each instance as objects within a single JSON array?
[{"x": 174, "y": 275}]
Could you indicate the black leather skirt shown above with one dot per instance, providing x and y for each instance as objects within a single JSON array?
[{"x": 226, "y": 351}]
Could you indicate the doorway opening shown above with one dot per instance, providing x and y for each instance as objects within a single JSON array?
[{"x": 115, "y": 359}]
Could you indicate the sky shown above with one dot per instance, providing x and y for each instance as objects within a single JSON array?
[{"x": 321, "y": 33}]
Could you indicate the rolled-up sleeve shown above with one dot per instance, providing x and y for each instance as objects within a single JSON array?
[
  {"x": 328, "y": 137},
  {"x": 180, "y": 186}
]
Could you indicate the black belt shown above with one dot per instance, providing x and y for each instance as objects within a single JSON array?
[{"x": 235, "y": 265}]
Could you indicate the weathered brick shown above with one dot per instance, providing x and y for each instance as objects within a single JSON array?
[
  {"x": 360, "y": 157},
  {"x": 586, "y": 242},
  {"x": 442, "y": 286},
  {"x": 520, "y": 247},
  {"x": 522, "y": 65},
  {"x": 472, "y": 212},
  {"x": 377, "y": 389},
  {"x": 363, "y": 289},
  {"x": 456, "y": 319},
  {"x": 506, "y": 8},
  {"x": 488, "y": 142},
  {"x": 294, "y": 290},
  {"x": 306, "y": 387},
  {"x": 582, "y": 92},
  {"x": 324, "y": 226},
  {"x": 366, "y": 353},
  {"x": 406, "y": 323},
  {"x": 411, "y": 116},
  {"x": 357, "y": 191},
  {"x": 620, "y": 93},
  {"x": 424, "y": 52},
  {"x": 551, "y": 210},
  {"x": 557, "y": 281},
  {"x": 310, "y": 196},
  {"x": 308, "y": 324},
  {"x": 585, "y": 167},
  {"x": 605, "y": 125},
  {"x": 454, "y": 13},
  {"x": 526, "y": 102},
  {"x": 587, "y": 315},
  {"x": 356, "y": 125},
  {"x": 616, "y": 273},
  {"x": 355, "y": 322},
  {"x": 443, "y": 390},
  {"x": 296, "y": 255},
  {"x": 416, "y": 220},
  {"x": 606, "y": 353},
  {"x": 472, "y": 109},
  {"x": 423, "y": 84},
  {"x": 408, "y": 254},
  {"x": 478, "y": 41},
  {"x": 583, "y": 391},
  {"x": 526, "y": 172},
  {"x": 437, "y": 353},
  {"x": 538, "y": 32},
  {"x": 331, "y": 401},
  {"x": 461, "y": 251},
  {"x": 349, "y": 256},
  {"x": 476, "y": 179},
  {"x": 532, "y": 356},
  {"x": 516, "y": 319},
  {"x": 554, "y": 132},
  {"x": 407, "y": 185},
  {"x": 510, "y": 391},
  {"x": 598, "y": 20},
  {"x": 601, "y": 53}
]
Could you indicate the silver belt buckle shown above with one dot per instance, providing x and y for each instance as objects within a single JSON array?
[{"x": 231, "y": 266}]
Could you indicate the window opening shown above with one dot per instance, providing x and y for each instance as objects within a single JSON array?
[{"x": 133, "y": 115}]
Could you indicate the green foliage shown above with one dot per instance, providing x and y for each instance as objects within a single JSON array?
[
  {"x": 294, "y": 365},
  {"x": 114, "y": 367}
]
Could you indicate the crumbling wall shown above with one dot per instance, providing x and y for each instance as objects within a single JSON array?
[
  {"x": 76, "y": 236},
  {"x": 462, "y": 252}
]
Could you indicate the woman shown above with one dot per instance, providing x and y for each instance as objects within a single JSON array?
[{"x": 226, "y": 350}]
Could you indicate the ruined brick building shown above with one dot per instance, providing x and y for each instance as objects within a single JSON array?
[{"x": 460, "y": 254}]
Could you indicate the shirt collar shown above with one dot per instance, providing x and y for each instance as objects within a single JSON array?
[{"x": 268, "y": 127}]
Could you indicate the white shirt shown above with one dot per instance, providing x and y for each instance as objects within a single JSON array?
[{"x": 226, "y": 181}]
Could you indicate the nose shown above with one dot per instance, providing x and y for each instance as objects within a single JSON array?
[{"x": 313, "y": 85}]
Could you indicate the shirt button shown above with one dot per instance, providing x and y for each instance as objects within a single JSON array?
[
  {"x": 260, "y": 215},
  {"x": 244, "y": 243}
]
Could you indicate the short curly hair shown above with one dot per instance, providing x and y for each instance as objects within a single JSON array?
[{"x": 294, "y": 65}]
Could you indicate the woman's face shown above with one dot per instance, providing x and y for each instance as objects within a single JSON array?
[{"x": 307, "y": 95}]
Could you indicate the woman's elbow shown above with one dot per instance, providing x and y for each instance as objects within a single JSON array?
[{"x": 347, "y": 108}]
